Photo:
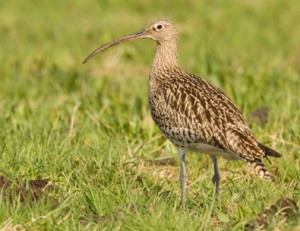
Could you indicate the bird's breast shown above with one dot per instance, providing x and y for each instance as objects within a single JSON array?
[{"x": 173, "y": 124}]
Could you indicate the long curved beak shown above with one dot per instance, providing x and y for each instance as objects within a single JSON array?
[{"x": 137, "y": 35}]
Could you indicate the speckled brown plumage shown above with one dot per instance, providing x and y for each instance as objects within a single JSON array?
[
  {"x": 192, "y": 113},
  {"x": 189, "y": 110}
]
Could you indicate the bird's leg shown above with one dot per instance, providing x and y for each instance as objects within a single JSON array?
[
  {"x": 181, "y": 154},
  {"x": 216, "y": 176}
]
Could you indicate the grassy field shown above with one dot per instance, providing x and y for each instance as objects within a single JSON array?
[{"x": 78, "y": 147}]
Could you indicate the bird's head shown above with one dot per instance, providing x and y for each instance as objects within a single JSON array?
[{"x": 161, "y": 30}]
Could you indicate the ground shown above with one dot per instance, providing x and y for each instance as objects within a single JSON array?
[{"x": 78, "y": 147}]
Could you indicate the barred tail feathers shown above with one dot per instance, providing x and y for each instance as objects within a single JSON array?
[{"x": 259, "y": 169}]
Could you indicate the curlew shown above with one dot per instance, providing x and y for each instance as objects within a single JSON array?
[{"x": 192, "y": 113}]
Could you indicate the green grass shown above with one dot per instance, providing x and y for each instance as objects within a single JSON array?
[{"x": 97, "y": 166}]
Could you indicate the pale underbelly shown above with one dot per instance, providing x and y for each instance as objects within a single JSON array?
[
  {"x": 192, "y": 143},
  {"x": 212, "y": 150}
]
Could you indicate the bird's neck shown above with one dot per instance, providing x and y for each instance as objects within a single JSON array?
[{"x": 165, "y": 59}]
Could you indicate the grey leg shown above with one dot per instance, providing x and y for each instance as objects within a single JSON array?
[
  {"x": 216, "y": 177},
  {"x": 181, "y": 154}
]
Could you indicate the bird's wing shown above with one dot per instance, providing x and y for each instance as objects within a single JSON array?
[{"x": 210, "y": 114}]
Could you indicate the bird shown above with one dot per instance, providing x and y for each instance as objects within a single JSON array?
[{"x": 191, "y": 112}]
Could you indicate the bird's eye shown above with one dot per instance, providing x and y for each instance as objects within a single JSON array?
[{"x": 159, "y": 26}]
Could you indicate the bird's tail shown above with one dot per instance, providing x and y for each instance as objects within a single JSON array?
[
  {"x": 257, "y": 164},
  {"x": 269, "y": 151},
  {"x": 259, "y": 169}
]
